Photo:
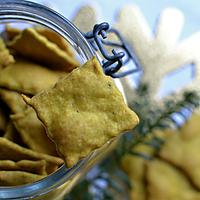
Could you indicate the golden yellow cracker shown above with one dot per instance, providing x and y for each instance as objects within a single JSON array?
[
  {"x": 3, "y": 119},
  {"x": 14, "y": 178},
  {"x": 183, "y": 153},
  {"x": 83, "y": 111},
  {"x": 130, "y": 165},
  {"x": 36, "y": 167},
  {"x": 5, "y": 57},
  {"x": 135, "y": 169},
  {"x": 192, "y": 127},
  {"x": 12, "y": 151},
  {"x": 165, "y": 182},
  {"x": 52, "y": 36},
  {"x": 10, "y": 132},
  {"x": 135, "y": 166},
  {"x": 56, "y": 39},
  {"x": 26, "y": 77},
  {"x": 13, "y": 100},
  {"x": 33, "y": 132},
  {"x": 13, "y": 135},
  {"x": 11, "y": 32},
  {"x": 34, "y": 46},
  {"x": 165, "y": 134}
]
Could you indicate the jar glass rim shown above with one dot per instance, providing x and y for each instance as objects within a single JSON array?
[
  {"x": 37, "y": 13},
  {"x": 33, "y": 12}
]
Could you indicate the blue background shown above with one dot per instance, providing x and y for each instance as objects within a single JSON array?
[{"x": 150, "y": 8}]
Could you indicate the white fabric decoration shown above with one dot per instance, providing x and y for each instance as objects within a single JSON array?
[{"x": 159, "y": 53}]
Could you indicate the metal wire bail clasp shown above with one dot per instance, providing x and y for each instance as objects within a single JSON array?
[{"x": 111, "y": 63}]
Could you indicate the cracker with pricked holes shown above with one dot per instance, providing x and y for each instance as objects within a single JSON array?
[
  {"x": 36, "y": 167},
  {"x": 5, "y": 57},
  {"x": 26, "y": 77},
  {"x": 33, "y": 132},
  {"x": 34, "y": 46},
  {"x": 83, "y": 111},
  {"x": 52, "y": 36},
  {"x": 14, "y": 178},
  {"x": 12, "y": 151},
  {"x": 166, "y": 182},
  {"x": 13, "y": 100},
  {"x": 182, "y": 149}
]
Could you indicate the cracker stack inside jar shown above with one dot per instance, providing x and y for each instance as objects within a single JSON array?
[{"x": 52, "y": 111}]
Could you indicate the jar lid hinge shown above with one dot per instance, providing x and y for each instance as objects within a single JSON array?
[{"x": 112, "y": 63}]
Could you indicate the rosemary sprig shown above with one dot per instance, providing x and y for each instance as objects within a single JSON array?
[{"x": 154, "y": 117}]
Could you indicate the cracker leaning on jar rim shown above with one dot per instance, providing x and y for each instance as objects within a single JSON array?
[
  {"x": 70, "y": 110},
  {"x": 83, "y": 111}
]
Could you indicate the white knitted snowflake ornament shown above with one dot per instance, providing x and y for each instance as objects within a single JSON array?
[
  {"x": 159, "y": 53},
  {"x": 86, "y": 17}
]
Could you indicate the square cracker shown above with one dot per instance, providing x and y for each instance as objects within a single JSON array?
[
  {"x": 14, "y": 152},
  {"x": 27, "y": 77},
  {"x": 12, "y": 32},
  {"x": 36, "y": 167},
  {"x": 14, "y": 178},
  {"x": 83, "y": 111},
  {"x": 5, "y": 57},
  {"x": 13, "y": 100},
  {"x": 3, "y": 119},
  {"x": 56, "y": 39},
  {"x": 165, "y": 182},
  {"x": 33, "y": 132},
  {"x": 181, "y": 149},
  {"x": 12, "y": 134},
  {"x": 34, "y": 46},
  {"x": 135, "y": 169}
]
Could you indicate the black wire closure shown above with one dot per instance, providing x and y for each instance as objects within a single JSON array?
[{"x": 111, "y": 63}]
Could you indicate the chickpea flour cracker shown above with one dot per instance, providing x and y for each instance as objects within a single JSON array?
[
  {"x": 27, "y": 77},
  {"x": 36, "y": 47},
  {"x": 37, "y": 167},
  {"x": 52, "y": 110},
  {"x": 83, "y": 111}
]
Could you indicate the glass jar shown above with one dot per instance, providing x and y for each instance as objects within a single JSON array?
[{"x": 56, "y": 185}]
